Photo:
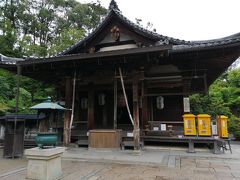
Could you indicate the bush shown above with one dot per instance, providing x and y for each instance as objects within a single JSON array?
[{"x": 234, "y": 126}]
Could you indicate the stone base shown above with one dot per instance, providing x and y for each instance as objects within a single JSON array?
[{"x": 44, "y": 164}]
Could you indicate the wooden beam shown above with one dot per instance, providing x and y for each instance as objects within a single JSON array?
[
  {"x": 67, "y": 115},
  {"x": 163, "y": 94},
  {"x": 91, "y": 99},
  {"x": 96, "y": 56},
  {"x": 136, "y": 130}
]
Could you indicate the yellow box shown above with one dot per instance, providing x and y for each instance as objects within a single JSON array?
[
  {"x": 189, "y": 125},
  {"x": 204, "y": 125},
  {"x": 222, "y": 124}
]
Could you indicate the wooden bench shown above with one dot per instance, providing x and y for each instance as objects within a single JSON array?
[{"x": 217, "y": 142}]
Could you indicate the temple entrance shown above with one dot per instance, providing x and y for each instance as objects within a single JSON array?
[
  {"x": 104, "y": 110},
  {"x": 103, "y": 114},
  {"x": 123, "y": 120}
]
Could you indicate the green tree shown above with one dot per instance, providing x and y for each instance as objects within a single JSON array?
[
  {"x": 65, "y": 39},
  {"x": 35, "y": 28},
  {"x": 223, "y": 99},
  {"x": 30, "y": 91}
]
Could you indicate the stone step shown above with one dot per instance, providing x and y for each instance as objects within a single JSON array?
[
  {"x": 82, "y": 142},
  {"x": 125, "y": 144}
]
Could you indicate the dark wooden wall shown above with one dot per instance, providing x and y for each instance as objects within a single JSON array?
[{"x": 172, "y": 111}]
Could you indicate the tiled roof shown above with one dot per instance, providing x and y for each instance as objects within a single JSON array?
[
  {"x": 23, "y": 116},
  {"x": 178, "y": 44},
  {"x": 9, "y": 60},
  {"x": 209, "y": 43},
  {"x": 140, "y": 30}
]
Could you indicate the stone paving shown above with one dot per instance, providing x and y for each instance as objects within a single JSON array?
[{"x": 81, "y": 164}]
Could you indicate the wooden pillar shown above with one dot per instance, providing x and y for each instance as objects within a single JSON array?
[
  {"x": 186, "y": 91},
  {"x": 115, "y": 105},
  {"x": 144, "y": 106},
  {"x": 136, "y": 130},
  {"x": 186, "y": 87},
  {"x": 19, "y": 72},
  {"x": 67, "y": 115},
  {"x": 205, "y": 83},
  {"x": 105, "y": 120},
  {"x": 91, "y": 99}
]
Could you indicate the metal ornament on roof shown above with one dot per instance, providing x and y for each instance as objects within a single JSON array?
[
  {"x": 115, "y": 33},
  {"x": 48, "y": 105},
  {"x": 113, "y": 5}
]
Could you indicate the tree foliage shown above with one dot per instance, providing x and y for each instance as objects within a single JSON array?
[
  {"x": 39, "y": 28},
  {"x": 31, "y": 92},
  {"x": 42, "y": 27},
  {"x": 223, "y": 99}
]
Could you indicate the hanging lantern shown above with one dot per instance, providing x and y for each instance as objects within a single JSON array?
[
  {"x": 160, "y": 102},
  {"x": 84, "y": 103}
]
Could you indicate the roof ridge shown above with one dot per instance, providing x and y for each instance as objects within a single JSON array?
[
  {"x": 235, "y": 36},
  {"x": 160, "y": 39},
  {"x": 125, "y": 19},
  {"x": 174, "y": 40}
]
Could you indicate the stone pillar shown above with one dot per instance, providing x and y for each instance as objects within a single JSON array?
[{"x": 44, "y": 164}]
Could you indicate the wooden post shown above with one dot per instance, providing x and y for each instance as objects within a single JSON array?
[
  {"x": 105, "y": 123},
  {"x": 186, "y": 86},
  {"x": 19, "y": 72},
  {"x": 136, "y": 130},
  {"x": 186, "y": 91},
  {"x": 67, "y": 116},
  {"x": 115, "y": 105},
  {"x": 144, "y": 106},
  {"x": 205, "y": 84},
  {"x": 91, "y": 99},
  {"x": 73, "y": 104}
]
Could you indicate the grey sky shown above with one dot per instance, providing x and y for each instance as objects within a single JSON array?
[{"x": 184, "y": 19}]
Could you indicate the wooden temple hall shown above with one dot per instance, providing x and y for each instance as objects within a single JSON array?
[{"x": 124, "y": 79}]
